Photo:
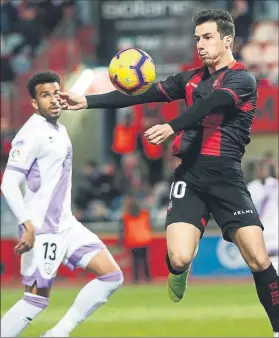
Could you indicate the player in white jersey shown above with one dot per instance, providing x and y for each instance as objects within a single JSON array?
[
  {"x": 41, "y": 159},
  {"x": 264, "y": 192}
]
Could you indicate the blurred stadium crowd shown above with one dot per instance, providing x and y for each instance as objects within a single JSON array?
[
  {"x": 100, "y": 188},
  {"x": 25, "y": 24}
]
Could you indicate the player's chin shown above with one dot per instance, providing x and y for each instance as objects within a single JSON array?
[
  {"x": 54, "y": 114},
  {"x": 207, "y": 62}
]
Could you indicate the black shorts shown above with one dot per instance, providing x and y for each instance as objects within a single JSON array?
[{"x": 209, "y": 188}]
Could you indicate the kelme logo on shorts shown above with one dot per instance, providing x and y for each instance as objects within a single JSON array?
[{"x": 243, "y": 212}]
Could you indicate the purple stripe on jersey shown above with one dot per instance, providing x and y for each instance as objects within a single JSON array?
[
  {"x": 38, "y": 301},
  {"x": 11, "y": 167},
  {"x": 265, "y": 200},
  {"x": 55, "y": 207},
  {"x": 34, "y": 177},
  {"x": 263, "y": 204},
  {"x": 112, "y": 277},
  {"x": 41, "y": 282},
  {"x": 273, "y": 252},
  {"x": 77, "y": 255}
]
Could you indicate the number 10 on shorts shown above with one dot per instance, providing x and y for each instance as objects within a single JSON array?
[{"x": 178, "y": 189}]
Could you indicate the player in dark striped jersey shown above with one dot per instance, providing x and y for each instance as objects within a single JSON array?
[{"x": 211, "y": 136}]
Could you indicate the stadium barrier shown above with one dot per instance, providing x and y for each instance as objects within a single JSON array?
[{"x": 215, "y": 259}]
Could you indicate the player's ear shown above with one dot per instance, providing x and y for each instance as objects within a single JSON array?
[
  {"x": 34, "y": 104},
  {"x": 228, "y": 41}
]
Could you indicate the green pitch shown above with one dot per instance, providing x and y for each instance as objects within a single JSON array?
[{"x": 212, "y": 310}]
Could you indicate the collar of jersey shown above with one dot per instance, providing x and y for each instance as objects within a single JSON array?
[{"x": 40, "y": 117}]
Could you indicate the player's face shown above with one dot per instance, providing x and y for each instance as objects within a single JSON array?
[
  {"x": 211, "y": 48},
  {"x": 46, "y": 102}
]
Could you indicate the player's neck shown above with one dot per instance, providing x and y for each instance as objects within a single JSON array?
[
  {"x": 225, "y": 61},
  {"x": 53, "y": 122}
]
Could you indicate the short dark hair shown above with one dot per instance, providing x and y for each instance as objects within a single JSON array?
[
  {"x": 40, "y": 78},
  {"x": 223, "y": 19}
]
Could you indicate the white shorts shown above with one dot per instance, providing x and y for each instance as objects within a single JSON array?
[{"x": 74, "y": 247}]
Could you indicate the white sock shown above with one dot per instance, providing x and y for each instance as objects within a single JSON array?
[
  {"x": 89, "y": 299},
  {"x": 21, "y": 314},
  {"x": 276, "y": 334}
]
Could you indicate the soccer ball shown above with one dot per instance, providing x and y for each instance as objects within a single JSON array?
[{"x": 132, "y": 71}]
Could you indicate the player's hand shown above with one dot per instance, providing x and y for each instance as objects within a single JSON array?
[
  {"x": 27, "y": 240},
  {"x": 159, "y": 133},
  {"x": 71, "y": 101}
]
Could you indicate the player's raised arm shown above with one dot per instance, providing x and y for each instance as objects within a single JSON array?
[
  {"x": 187, "y": 120},
  {"x": 238, "y": 88},
  {"x": 164, "y": 91},
  {"x": 200, "y": 109}
]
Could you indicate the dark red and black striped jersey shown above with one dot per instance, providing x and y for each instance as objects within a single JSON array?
[{"x": 225, "y": 132}]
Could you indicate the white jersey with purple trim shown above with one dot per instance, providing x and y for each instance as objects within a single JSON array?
[
  {"x": 265, "y": 198},
  {"x": 43, "y": 152}
]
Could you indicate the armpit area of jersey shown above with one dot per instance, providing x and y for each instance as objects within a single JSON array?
[
  {"x": 115, "y": 99},
  {"x": 201, "y": 108}
]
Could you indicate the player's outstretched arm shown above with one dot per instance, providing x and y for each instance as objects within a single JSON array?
[{"x": 114, "y": 99}]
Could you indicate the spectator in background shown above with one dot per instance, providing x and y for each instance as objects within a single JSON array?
[
  {"x": 7, "y": 136},
  {"x": 108, "y": 187},
  {"x": 50, "y": 13},
  {"x": 133, "y": 176},
  {"x": 88, "y": 188},
  {"x": 270, "y": 160},
  {"x": 7, "y": 73},
  {"x": 261, "y": 74},
  {"x": 151, "y": 155},
  {"x": 242, "y": 16},
  {"x": 250, "y": 171},
  {"x": 9, "y": 17},
  {"x": 266, "y": 10},
  {"x": 243, "y": 19},
  {"x": 136, "y": 235},
  {"x": 24, "y": 25},
  {"x": 157, "y": 201},
  {"x": 2, "y": 268},
  {"x": 30, "y": 27},
  {"x": 264, "y": 192},
  {"x": 84, "y": 9},
  {"x": 97, "y": 211}
]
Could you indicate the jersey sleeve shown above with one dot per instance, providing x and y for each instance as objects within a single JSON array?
[
  {"x": 241, "y": 85},
  {"x": 173, "y": 87},
  {"x": 25, "y": 150}
]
